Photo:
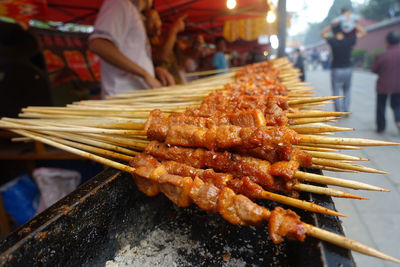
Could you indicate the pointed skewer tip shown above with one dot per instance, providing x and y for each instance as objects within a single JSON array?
[{"x": 345, "y": 242}]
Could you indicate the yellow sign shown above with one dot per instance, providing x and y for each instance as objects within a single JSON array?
[{"x": 248, "y": 29}]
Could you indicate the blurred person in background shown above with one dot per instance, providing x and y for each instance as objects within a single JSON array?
[
  {"x": 119, "y": 39},
  {"x": 347, "y": 21},
  {"x": 235, "y": 59},
  {"x": 387, "y": 66},
  {"x": 199, "y": 52},
  {"x": 314, "y": 59},
  {"x": 164, "y": 47},
  {"x": 195, "y": 56},
  {"x": 219, "y": 61},
  {"x": 341, "y": 68},
  {"x": 298, "y": 61},
  {"x": 324, "y": 58}
]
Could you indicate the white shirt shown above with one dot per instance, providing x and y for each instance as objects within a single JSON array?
[{"x": 120, "y": 22}]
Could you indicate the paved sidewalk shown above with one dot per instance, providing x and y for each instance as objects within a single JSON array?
[{"x": 375, "y": 222}]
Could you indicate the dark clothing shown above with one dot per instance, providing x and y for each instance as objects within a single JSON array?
[
  {"x": 341, "y": 51},
  {"x": 341, "y": 70},
  {"x": 23, "y": 75},
  {"x": 387, "y": 66},
  {"x": 381, "y": 100},
  {"x": 300, "y": 65}
]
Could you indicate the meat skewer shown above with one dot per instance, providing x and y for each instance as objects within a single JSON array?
[
  {"x": 281, "y": 176},
  {"x": 101, "y": 151},
  {"x": 245, "y": 118},
  {"x": 262, "y": 171},
  {"x": 115, "y": 143},
  {"x": 273, "y": 144},
  {"x": 237, "y": 209},
  {"x": 273, "y": 156},
  {"x": 240, "y": 184},
  {"x": 244, "y": 186}
]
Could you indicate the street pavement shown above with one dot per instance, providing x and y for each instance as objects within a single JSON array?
[{"x": 375, "y": 222}]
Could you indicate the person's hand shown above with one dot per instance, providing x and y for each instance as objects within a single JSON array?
[
  {"x": 164, "y": 76},
  {"x": 151, "y": 81},
  {"x": 179, "y": 24}
]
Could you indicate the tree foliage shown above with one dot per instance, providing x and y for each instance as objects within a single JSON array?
[{"x": 381, "y": 9}]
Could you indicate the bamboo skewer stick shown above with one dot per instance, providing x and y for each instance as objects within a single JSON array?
[
  {"x": 93, "y": 142},
  {"x": 76, "y": 129},
  {"x": 314, "y": 114},
  {"x": 302, "y": 129},
  {"x": 302, "y": 121},
  {"x": 76, "y": 151},
  {"x": 92, "y": 149},
  {"x": 302, "y": 204},
  {"x": 311, "y": 177},
  {"x": 99, "y": 123},
  {"x": 329, "y": 168},
  {"x": 336, "y": 156},
  {"x": 311, "y": 148},
  {"x": 345, "y": 166},
  {"x": 207, "y": 72},
  {"x": 345, "y": 141},
  {"x": 346, "y": 242},
  {"x": 75, "y": 117},
  {"x": 331, "y": 146},
  {"x": 131, "y": 143},
  {"x": 325, "y": 191},
  {"x": 171, "y": 90}
]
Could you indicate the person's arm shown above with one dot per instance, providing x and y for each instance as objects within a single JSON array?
[
  {"x": 112, "y": 55},
  {"x": 166, "y": 49},
  {"x": 164, "y": 76},
  {"x": 325, "y": 31},
  {"x": 361, "y": 32},
  {"x": 376, "y": 64}
]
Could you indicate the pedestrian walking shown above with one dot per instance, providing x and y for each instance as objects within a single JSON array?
[
  {"x": 299, "y": 63},
  {"x": 387, "y": 66},
  {"x": 314, "y": 59},
  {"x": 341, "y": 69}
]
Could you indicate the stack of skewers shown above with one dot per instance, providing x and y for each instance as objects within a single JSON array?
[{"x": 219, "y": 142}]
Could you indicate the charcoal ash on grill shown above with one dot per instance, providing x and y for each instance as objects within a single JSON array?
[
  {"x": 162, "y": 248},
  {"x": 192, "y": 237}
]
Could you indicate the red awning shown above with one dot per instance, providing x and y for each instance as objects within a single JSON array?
[
  {"x": 203, "y": 15},
  {"x": 209, "y": 15},
  {"x": 72, "y": 11}
]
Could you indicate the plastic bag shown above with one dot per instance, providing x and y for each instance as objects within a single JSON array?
[
  {"x": 54, "y": 184},
  {"x": 20, "y": 198}
]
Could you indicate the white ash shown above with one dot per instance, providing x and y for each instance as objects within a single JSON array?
[{"x": 160, "y": 248}]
